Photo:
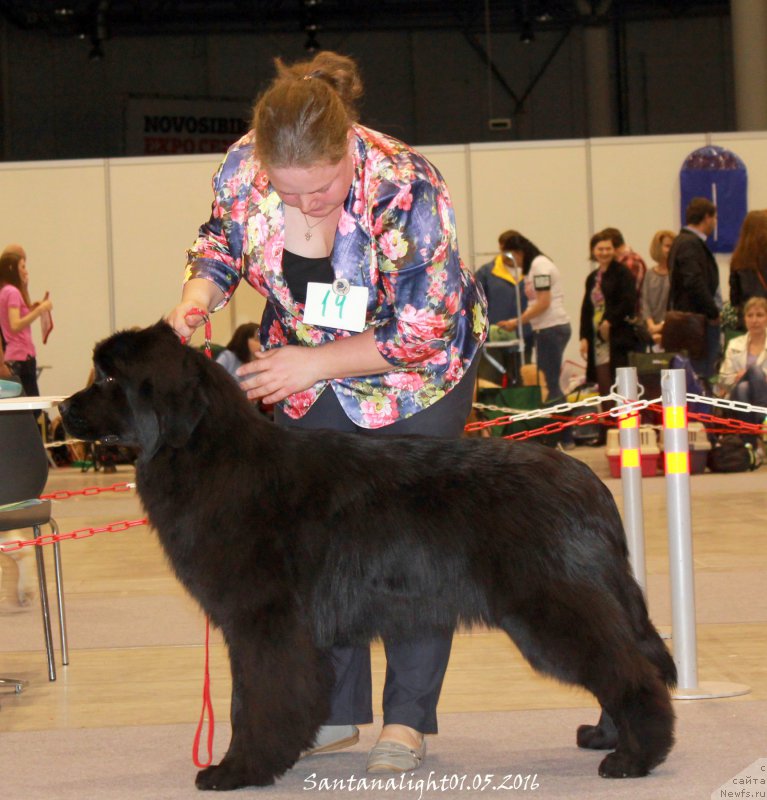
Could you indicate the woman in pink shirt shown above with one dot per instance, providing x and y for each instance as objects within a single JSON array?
[{"x": 17, "y": 313}]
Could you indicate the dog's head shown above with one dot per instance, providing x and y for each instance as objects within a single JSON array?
[{"x": 147, "y": 392}]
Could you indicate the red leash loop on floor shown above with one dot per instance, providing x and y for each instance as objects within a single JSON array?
[{"x": 207, "y": 705}]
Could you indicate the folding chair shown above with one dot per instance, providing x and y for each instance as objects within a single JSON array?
[{"x": 23, "y": 473}]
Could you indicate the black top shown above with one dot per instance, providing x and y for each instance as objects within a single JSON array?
[
  {"x": 299, "y": 270},
  {"x": 694, "y": 275},
  {"x": 620, "y": 293}
]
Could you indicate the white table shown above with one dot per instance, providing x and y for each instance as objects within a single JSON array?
[{"x": 29, "y": 403}]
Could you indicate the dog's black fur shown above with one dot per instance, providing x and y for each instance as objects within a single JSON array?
[{"x": 293, "y": 541}]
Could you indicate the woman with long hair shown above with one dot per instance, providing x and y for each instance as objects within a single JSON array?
[
  {"x": 17, "y": 313},
  {"x": 240, "y": 348},
  {"x": 545, "y": 307},
  {"x": 748, "y": 265}
]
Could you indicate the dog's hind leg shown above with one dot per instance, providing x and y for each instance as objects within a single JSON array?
[
  {"x": 281, "y": 686},
  {"x": 604, "y": 735},
  {"x": 586, "y": 641}
]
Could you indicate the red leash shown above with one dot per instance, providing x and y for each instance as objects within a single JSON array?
[{"x": 207, "y": 704}]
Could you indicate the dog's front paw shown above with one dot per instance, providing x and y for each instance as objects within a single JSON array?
[
  {"x": 621, "y": 765},
  {"x": 229, "y": 775}
]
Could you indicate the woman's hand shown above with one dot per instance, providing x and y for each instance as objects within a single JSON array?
[
  {"x": 508, "y": 324},
  {"x": 604, "y": 330},
  {"x": 585, "y": 349},
  {"x": 198, "y": 293},
  {"x": 184, "y": 323},
  {"x": 275, "y": 374}
]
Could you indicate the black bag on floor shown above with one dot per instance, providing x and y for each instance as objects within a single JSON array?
[{"x": 731, "y": 454}]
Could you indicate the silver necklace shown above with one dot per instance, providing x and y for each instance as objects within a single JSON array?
[{"x": 310, "y": 228}]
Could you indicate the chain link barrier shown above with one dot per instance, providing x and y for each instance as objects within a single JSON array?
[
  {"x": 80, "y": 533},
  {"x": 624, "y": 407}
]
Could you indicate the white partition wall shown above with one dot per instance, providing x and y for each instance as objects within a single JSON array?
[
  {"x": 58, "y": 212},
  {"x": 156, "y": 206},
  {"x": 541, "y": 190},
  {"x": 108, "y": 238}
]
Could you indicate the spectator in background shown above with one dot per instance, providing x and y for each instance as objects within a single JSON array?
[
  {"x": 743, "y": 375},
  {"x": 694, "y": 278},
  {"x": 655, "y": 286},
  {"x": 501, "y": 280},
  {"x": 240, "y": 348},
  {"x": 630, "y": 259},
  {"x": 15, "y": 250},
  {"x": 545, "y": 308},
  {"x": 17, "y": 313},
  {"x": 609, "y": 301},
  {"x": 748, "y": 266}
]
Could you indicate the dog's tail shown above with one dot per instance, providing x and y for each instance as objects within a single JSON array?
[{"x": 648, "y": 638}]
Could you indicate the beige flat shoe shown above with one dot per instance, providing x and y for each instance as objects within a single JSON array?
[
  {"x": 395, "y": 757},
  {"x": 333, "y": 737}
]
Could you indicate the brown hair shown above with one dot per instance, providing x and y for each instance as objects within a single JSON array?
[
  {"x": 753, "y": 302},
  {"x": 303, "y": 118},
  {"x": 238, "y": 344},
  {"x": 697, "y": 210},
  {"x": 9, "y": 273},
  {"x": 751, "y": 247},
  {"x": 615, "y": 236},
  {"x": 656, "y": 245}
]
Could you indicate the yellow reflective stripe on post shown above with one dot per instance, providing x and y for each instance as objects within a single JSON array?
[
  {"x": 675, "y": 417},
  {"x": 630, "y": 458},
  {"x": 677, "y": 463},
  {"x": 631, "y": 421}
]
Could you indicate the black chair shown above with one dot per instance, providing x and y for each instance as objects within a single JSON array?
[{"x": 23, "y": 474}]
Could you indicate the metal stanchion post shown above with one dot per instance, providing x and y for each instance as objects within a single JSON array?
[
  {"x": 677, "y": 463},
  {"x": 631, "y": 476}
]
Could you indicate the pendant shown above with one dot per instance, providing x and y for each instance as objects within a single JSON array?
[{"x": 308, "y": 235}]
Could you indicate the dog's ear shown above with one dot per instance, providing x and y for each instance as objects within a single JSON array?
[
  {"x": 166, "y": 409},
  {"x": 145, "y": 419}
]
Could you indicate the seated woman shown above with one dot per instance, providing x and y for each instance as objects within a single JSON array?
[
  {"x": 743, "y": 375},
  {"x": 240, "y": 349}
]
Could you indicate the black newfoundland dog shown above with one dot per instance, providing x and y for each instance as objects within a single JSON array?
[{"x": 292, "y": 541}]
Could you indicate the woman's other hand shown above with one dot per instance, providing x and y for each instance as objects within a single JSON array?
[{"x": 275, "y": 374}]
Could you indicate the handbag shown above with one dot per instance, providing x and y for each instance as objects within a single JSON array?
[
  {"x": 642, "y": 335},
  {"x": 684, "y": 330},
  {"x": 731, "y": 454}
]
